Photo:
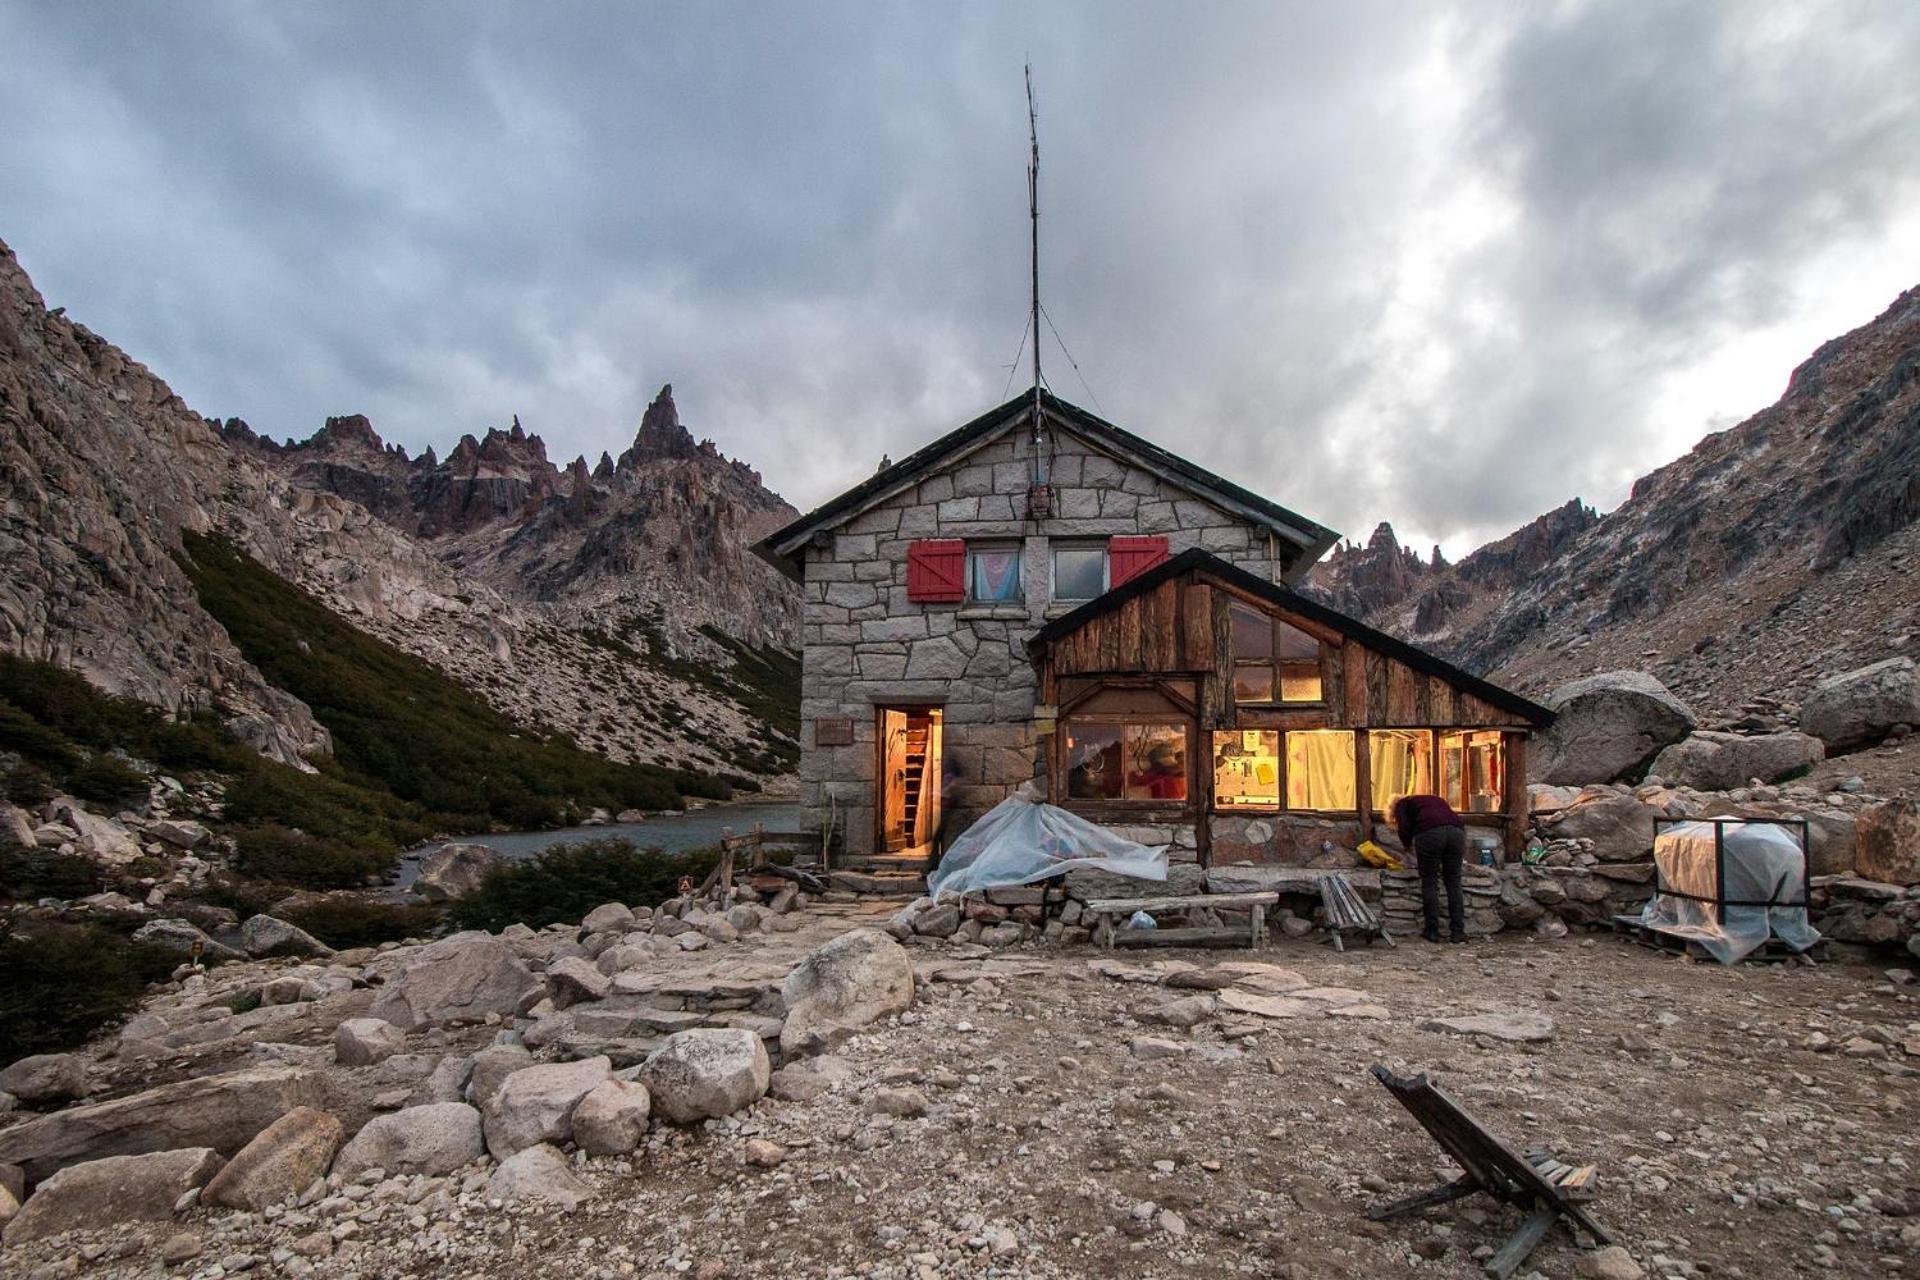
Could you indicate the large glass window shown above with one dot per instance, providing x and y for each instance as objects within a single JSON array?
[
  {"x": 1246, "y": 769},
  {"x": 1273, "y": 661},
  {"x": 1320, "y": 770},
  {"x": 1399, "y": 763},
  {"x": 1473, "y": 770},
  {"x": 993, "y": 574},
  {"x": 1079, "y": 572},
  {"x": 1145, "y": 761}
]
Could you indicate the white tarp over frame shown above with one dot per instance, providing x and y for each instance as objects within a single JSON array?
[
  {"x": 1764, "y": 863},
  {"x": 1023, "y": 839}
]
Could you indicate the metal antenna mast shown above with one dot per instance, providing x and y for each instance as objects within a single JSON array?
[{"x": 1033, "y": 211}]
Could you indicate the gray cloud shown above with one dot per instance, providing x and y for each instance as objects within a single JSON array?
[{"x": 1449, "y": 268}]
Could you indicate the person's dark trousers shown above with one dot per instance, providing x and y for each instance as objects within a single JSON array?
[{"x": 1440, "y": 853}]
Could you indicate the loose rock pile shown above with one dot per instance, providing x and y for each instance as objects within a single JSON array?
[{"x": 440, "y": 1076}]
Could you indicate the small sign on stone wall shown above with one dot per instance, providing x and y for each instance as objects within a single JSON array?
[{"x": 833, "y": 733}]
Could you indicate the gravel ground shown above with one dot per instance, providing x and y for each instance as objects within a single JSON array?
[{"x": 1756, "y": 1121}]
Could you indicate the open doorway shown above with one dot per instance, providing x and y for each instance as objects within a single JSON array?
[{"x": 908, "y": 811}]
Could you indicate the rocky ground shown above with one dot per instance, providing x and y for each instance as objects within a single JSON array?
[{"x": 1044, "y": 1111}]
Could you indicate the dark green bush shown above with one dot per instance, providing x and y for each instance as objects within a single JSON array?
[
  {"x": 30, "y": 786},
  {"x": 28, "y": 874},
  {"x": 64, "y": 983},
  {"x": 402, "y": 723},
  {"x": 566, "y": 881},
  {"x": 49, "y": 748},
  {"x": 106, "y": 780},
  {"x": 355, "y": 922},
  {"x": 284, "y": 856},
  {"x": 326, "y": 805}
]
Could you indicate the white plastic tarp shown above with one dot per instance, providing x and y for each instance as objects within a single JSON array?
[
  {"x": 1764, "y": 863},
  {"x": 1023, "y": 839}
]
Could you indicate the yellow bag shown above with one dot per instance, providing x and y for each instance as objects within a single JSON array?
[{"x": 1375, "y": 856}]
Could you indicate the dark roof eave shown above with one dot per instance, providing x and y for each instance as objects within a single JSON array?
[
  {"x": 1292, "y": 601},
  {"x": 778, "y": 548}
]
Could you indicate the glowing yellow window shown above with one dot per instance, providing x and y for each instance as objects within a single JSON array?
[
  {"x": 1399, "y": 763},
  {"x": 1320, "y": 770},
  {"x": 1246, "y": 769}
]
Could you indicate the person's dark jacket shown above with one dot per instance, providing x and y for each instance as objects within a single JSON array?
[{"x": 1414, "y": 814}]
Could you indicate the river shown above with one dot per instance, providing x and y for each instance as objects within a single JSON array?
[{"x": 676, "y": 833}]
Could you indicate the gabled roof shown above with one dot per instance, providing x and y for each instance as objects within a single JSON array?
[
  {"x": 781, "y": 547},
  {"x": 1292, "y": 601}
]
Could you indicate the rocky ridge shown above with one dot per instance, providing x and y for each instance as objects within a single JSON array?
[
  {"x": 1772, "y": 555},
  {"x": 102, "y": 465},
  {"x": 658, "y": 539}
]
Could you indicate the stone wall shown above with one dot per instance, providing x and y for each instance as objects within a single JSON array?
[
  {"x": 1285, "y": 839},
  {"x": 867, "y": 644}
]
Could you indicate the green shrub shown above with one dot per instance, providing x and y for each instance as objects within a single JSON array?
[
  {"x": 284, "y": 856},
  {"x": 355, "y": 922},
  {"x": 325, "y": 805},
  {"x": 30, "y": 786},
  {"x": 28, "y": 874},
  {"x": 566, "y": 881},
  {"x": 401, "y": 723},
  {"x": 64, "y": 983},
  {"x": 106, "y": 780},
  {"x": 20, "y": 732}
]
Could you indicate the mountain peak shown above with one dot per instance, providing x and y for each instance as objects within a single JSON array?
[
  {"x": 660, "y": 434},
  {"x": 345, "y": 431}
]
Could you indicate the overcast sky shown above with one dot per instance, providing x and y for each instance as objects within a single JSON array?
[{"x": 1449, "y": 271}]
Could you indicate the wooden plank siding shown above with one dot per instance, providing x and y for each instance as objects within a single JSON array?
[{"x": 1181, "y": 628}]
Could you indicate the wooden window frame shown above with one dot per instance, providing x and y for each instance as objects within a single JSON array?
[
  {"x": 1132, "y": 809},
  {"x": 1280, "y": 781},
  {"x": 1354, "y": 814},
  {"x": 1275, "y": 665},
  {"x": 1506, "y": 765}
]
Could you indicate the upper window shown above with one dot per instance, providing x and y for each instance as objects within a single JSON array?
[
  {"x": 1144, "y": 760},
  {"x": 1473, "y": 770},
  {"x": 1399, "y": 763},
  {"x": 1079, "y": 572},
  {"x": 993, "y": 574},
  {"x": 1273, "y": 660}
]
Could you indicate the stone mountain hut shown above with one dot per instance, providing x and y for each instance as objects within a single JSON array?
[{"x": 1042, "y": 596}]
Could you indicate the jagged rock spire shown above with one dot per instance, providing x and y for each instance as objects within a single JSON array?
[{"x": 660, "y": 435}]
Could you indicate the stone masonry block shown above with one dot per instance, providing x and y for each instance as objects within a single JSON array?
[
  {"x": 1011, "y": 477},
  {"x": 973, "y": 481},
  {"x": 854, "y": 546}
]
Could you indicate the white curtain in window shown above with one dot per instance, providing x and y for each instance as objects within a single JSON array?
[{"x": 1320, "y": 772}]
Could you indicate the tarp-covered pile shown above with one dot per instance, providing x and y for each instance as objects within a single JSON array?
[
  {"x": 1023, "y": 839},
  {"x": 1764, "y": 865}
]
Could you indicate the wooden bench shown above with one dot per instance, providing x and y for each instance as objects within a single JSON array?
[
  {"x": 1545, "y": 1189},
  {"x": 1347, "y": 913},
  {"x": 1103, "y": 911}
]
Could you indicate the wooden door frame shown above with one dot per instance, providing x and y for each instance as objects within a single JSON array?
[{"x": 880, "y": 710}]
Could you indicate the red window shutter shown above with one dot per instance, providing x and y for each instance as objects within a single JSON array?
[
  {"x": 1129, "y": 557},
  {"x": 937, "y": 571}
]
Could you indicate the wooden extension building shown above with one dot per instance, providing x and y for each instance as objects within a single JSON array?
[{"x": 1280, "y": 730}]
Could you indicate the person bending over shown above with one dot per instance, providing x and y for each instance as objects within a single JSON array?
[{"x": 1430, "y": 828}]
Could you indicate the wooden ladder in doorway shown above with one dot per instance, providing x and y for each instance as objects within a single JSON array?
[{"x": 915, "y": 777}]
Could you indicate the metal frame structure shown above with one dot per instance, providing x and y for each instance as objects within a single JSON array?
[{"x": 1720, "y": 826}]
